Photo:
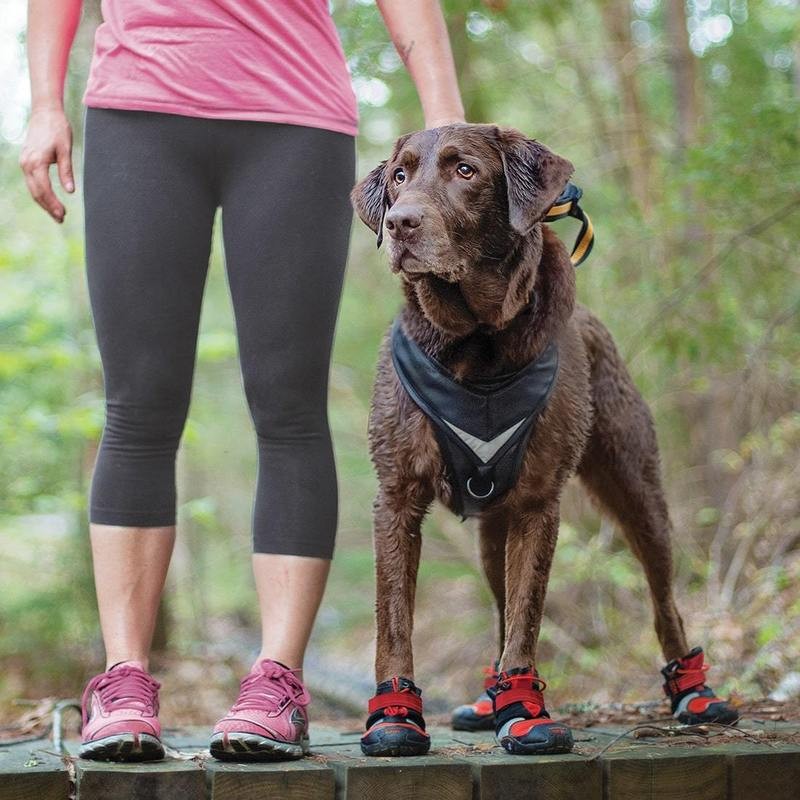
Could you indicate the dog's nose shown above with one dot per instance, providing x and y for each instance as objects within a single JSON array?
[{"x": 401, "y": 220}]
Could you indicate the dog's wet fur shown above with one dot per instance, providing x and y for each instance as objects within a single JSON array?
[{"x": 487, "y": 286}]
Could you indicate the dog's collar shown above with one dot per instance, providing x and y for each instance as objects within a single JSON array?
[{"x": 567, "y": 206}]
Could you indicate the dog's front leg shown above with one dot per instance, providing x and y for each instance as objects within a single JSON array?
[
  {"x": 395, "y": 726},
  {"x": 398, "y": 541},
  {"x": 522, "y": 724},
  {"x": 530, "y": 545}
]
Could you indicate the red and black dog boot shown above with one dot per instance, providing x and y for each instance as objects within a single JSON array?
[
  {"x": 477, "y": 716},
  {"x": 395, "y": 726},
  {"x": 522, "y": 724},
  {"x": 694, "y": 703}
]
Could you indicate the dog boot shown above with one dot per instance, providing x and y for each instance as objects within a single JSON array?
[
  {"x": 522, "y": 724},
  {"x": 694, "y": 703},
  {"x": 477, "y": 716},
  {"x": 395, "y": 726}
]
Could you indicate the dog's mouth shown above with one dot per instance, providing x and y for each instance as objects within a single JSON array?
[
  {"x": 409, "y": 265},
  {"x": 413, "y": 266}
]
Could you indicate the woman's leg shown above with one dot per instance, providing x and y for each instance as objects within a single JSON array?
[
  {"x": 290, "y": 589},
  {"x": 286, "y": 220},
  {"x": 150, "y": 199}
]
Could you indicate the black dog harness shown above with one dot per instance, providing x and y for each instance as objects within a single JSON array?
[{"x": 482, "y": 426}]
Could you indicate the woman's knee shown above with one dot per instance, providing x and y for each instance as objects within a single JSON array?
[
  {"x": 288, "y": 409},
  {"x": 145, "y": 428}
]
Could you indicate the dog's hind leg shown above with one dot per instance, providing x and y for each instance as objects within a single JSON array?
[
  {"x": 492, "y": 529},
  {"x": 620, "y": 469}
]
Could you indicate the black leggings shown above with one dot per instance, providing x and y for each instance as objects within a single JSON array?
[{"x": 152, "y": 184}]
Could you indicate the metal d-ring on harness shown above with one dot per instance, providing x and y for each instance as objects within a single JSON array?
[{"x": 483, "y": 426}]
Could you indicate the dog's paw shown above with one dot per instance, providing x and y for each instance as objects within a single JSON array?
[
  {"x": 523, "y": 726},
  {"x": 395, "y": 726},
  {"x": 692, "y": 701},
  {"x": 478, "y": 715}
]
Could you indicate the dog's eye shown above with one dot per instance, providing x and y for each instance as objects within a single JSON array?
[
  {"x": 399, "y": 175},
  {"x": 465, "y": 170}
]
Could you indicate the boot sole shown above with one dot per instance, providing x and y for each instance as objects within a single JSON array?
[
  {"x": 123, "y": 747},
  {"x": 485, "y": 724},
  {"x": 397, "y": 742},
  {"x": 725, "y": 718},
  {"x": 554, "y": 745},
  {"x": 241, "y": 746}
]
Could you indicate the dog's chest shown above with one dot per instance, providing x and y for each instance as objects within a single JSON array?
[{"x": 482, "y": 428}]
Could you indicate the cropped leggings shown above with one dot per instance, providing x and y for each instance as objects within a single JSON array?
[{"x": 152, "y": 184}]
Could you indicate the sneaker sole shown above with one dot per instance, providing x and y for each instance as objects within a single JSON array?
[
  {"x": 241, "y": 746},
  {"x": 123, "y": 747}
]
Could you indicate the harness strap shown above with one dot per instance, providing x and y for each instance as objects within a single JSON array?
[{"x": 567, "y": 206}]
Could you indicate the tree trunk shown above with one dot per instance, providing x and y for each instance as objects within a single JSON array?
[
  {"x": 684, "y": 73},
  {"x": 634, "y": 141}
]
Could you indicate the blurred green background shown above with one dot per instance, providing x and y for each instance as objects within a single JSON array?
[{"x": 682, "y": 121}]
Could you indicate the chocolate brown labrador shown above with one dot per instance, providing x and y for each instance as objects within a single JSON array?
[{"x": 487, "y": 288}]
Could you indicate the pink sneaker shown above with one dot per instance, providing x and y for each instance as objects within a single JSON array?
[
  {"x": 268, "y": 721},
  {"x": 119, "y": 711}
]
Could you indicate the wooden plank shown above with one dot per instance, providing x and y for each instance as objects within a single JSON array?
[
  {"x": 758, "y": 772},
  {"x": 665, "y": 773},
  {"x": 507, "y": 777},
  {"x": 169, "y": 779},
  {"x": 360, "y": 777},
  {"x": 421, "y": 778},
  {"x": 286, "y": 780},
  {"x": 28, "y": 772}
]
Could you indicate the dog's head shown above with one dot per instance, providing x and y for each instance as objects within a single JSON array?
[{"x": 455, "y": 200}]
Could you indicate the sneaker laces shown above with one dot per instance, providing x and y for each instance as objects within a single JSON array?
[
  {"x": 269, "y": 688},
  {"x": 123, "y": 687}
]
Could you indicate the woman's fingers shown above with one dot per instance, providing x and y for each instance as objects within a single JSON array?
[
  {"x": 38, "y": 180},
  {"x": 64, "y": 158},
  {"x": 49, "y": 141}
]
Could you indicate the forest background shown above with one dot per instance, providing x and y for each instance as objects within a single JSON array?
[{"x": 682, "y": 121}]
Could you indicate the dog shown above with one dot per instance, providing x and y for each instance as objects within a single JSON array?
[{"x": 490, "y": 309}]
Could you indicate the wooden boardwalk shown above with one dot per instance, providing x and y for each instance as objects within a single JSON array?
[{"x": 762, "y": 763}]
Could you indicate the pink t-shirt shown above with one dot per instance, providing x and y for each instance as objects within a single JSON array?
[{"x": 274, "y": 60}]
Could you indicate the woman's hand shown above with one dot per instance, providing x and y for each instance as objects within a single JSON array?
[{"x": 48, "y": 141}]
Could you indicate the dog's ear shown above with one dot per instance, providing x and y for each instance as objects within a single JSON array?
[
  {"x": 535, "y": 177},
  {"x": 370, "y": 198}
]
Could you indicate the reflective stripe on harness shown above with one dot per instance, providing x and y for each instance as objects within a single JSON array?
[{"x": 567, "y": 206}]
